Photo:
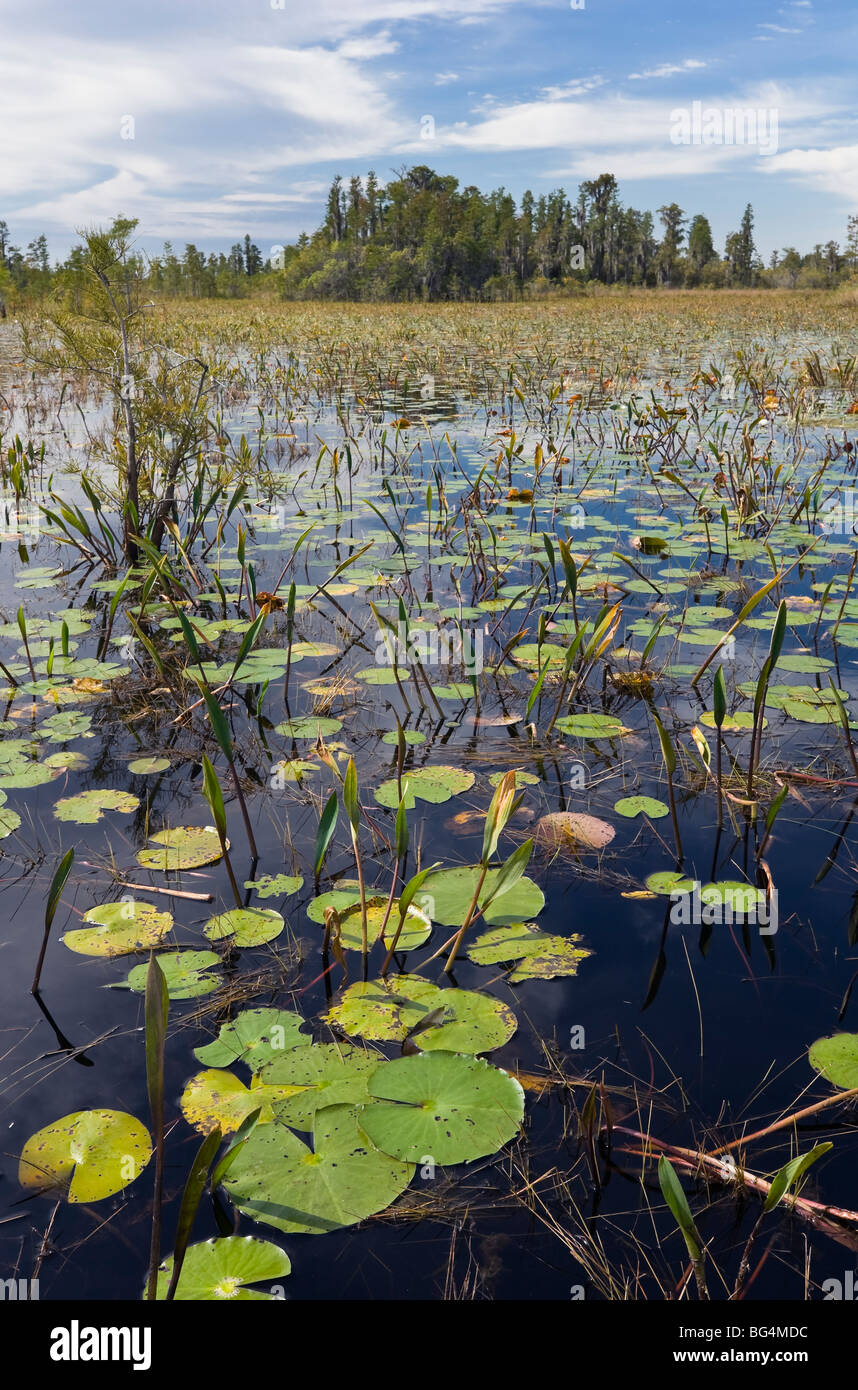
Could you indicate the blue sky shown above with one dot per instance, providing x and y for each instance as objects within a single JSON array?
[{"x": 242, "y": 112}]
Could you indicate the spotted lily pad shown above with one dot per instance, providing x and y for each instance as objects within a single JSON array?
[
  {"x": 453, "y": 1020},
  {"x": 118, "y": 928},
  {"x": 254, "y": 1036},
  {"x": 248, "y": 926},
  {"x": 450, "y": 1108},
  {"x": 88, "y": 807},
  {"x": 186, "y": 973},
  {"x": 541, "y": 955},
  {"x": 218, "y": 1099},
  {"x": 321, "y": 1075},
  {"x": 836, "y": 1058},
  {"x": 343, "y": 1179},
  {"x": 274, "y": 886},
  {"x": 222, "y": 1269},
  {"x": 434, "y": 784},
  {"x": 86, "y": 1156},
  {"x": 183, "y": 847}
]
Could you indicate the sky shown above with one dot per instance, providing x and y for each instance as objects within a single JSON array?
[{"x": 207, "y": 119}]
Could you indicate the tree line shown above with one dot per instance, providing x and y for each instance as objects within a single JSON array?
[{"x": 422, "y": 237}]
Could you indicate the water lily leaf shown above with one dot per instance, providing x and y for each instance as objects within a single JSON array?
[
  {"x": 254, "y": 1036},
  {"x": 462, "y": 1020},
  {"x": 118, "y": 928},
  {"x": 292, "y": 770},
  {"x": 321, "y": 1075},
  {"x": 804, "y": 663},
  {"x": 65, "y": 725},
  {"x": 9, "y": 821},
  {"x": 669, "y": 881},
  {"x": 67, "y": 761},
  {"x": 342, "y": 1180},
  {"x": 542, "y": 956},
  {"x": 23, "y": 774},
  {"x": 522, "y": 779},
  {"x": 591, "y": 726},
  {"x": 573, "y": 829},
  {"x": 222, "y": 1269},
  {"x": 452, "y": 1108},
  {"x": 411, "y": 736},
  {"x": 433, "y": 784},
  {"x": 183, "y": 847},
  {"x": 632, "y": 806},
  {"x": 447, "y": 894},
  {"x": 415, "y": 931},
  {"x": 86, "y": 1156},
  {"x": 85, "y": 808},
  {"x": 248, "y": 926},
  {"x": 218, "y": 1099},
  {"x": 147, "y": 767},
  {"x": 185, "y": 973},
  {"x": 836, "y": 1058},
  {"x": 273, "y": 886},
  {"x": 309, "y": 726},
  {"x": 741, "y": 722}
]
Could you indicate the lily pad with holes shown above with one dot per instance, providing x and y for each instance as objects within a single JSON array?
[
  {"x": 433, "y": 784},
  {"x": 186, "y": 972},
  {"x": 276, "y": 885},
  {"x": 217, "y": 1099},
  {"x": 452, "y": 1108},
  {"x": 183, "y": 847},
  {"x": 836, "y": 1058},
  {"x": 540, "y": 954},
  {"x": 254, "y": 1036},
  {"x": 447, "y": 894},
  {"x": 341, "y": 1180},
  {"x": 85, "y": 808},
  {"x": 221, "y": 1269},
  {"x": 247, "y": 926},
  {"x": 118, "y": 928},
  {"x": 86, "y": 1156},
  {"x": 454, "y": 1020}
]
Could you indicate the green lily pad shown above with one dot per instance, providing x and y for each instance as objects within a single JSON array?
[
  {"x": 67, "y": 761},
  {"x": 453, "y": 1020},
  {"x": 416, "y": 928},
  {"x": 669, "y": 881},
  {"x": 118, "y": 928},
  {"x": 632, "y": 806},
  {"x": 522, "y": 779},
  {"x": 147, "y": 767},
  {"x": 254, "y": 1036},
  {"x": 412, "y": 737},
  {"x": 309, "y": 726},
  {"x": 274, "y": 886},
  {"x": 185, "y": 973},
  {"x": 342, "y": 1180},
  {"x": 447, "y": 894},
  {"x": 836, "y": 1058},
  {"x": 248, "y": 926},
  {"x": 222, "y": 1269},
  {"x": 10, "y": 821},
  {"x": 541, "y": 955},
  {"x": 591, "y": 726},
  {"x": 324, "y": 1074},
  {"x": 183, "y": 847},
  {"x": 86, "y": 1156},
  {"x": 88, "y": 807},
  {"x": 433, "y": 784},
  {"x": 440, "y": 1105}
]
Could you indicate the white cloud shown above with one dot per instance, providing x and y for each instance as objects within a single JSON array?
[
  {"x": 443, "y": 79},
  {"x": 667, "y": 70},
  {"x": 829, "y": 171}
]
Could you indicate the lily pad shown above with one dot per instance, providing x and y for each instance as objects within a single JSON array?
[
  {"x": 321, "y": 1075},
  {"x": 183, "y": 847},
  {"x": 416, "y": 928},
  {"x": 836, "y": 1058},
  {"x": 274, "y": 886},
  {"x": 118, "y": 928},
  {"x": 434, "y": 784},
  {"x": 447, "y": 894},
  {"x": 541, "y": 955},
  {"x": 632, "y": 806},
  {"x": 185, "y": 973},
  {"x": 147, "y": 767},
  {"x": 217, "y": 1099},
  {"x": 248, "y": 926},
  {"x": 222, "y": 1269},
  {"x": 254, "y": 1036},
  {"x": 452, "y": 1020},
  {"x": 309, "y": 726},
  {"x": 86, "y": 1156},
  {"x": 451, "y": 1108},
  {"x": 343, "y": 1179},
  {"x": 88, "y": 807},
  {"x": 574, "y": 829},
  {"x": 591, "y": 726}
]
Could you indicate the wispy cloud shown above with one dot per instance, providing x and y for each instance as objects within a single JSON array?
[{"x": 667, "y": 70}]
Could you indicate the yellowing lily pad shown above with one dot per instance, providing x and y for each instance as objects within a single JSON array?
[
  {"x": 183, "y": 847},
  {"x": 88, "y": 807},
  {"x": 86, "y": 1156},
  {"x": 118, "y": 928},
  {"x": 248, "y": 926},
  {"x": 433, "y": 784}
]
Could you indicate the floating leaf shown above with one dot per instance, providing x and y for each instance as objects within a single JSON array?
[
  {"x": 216, "y": 1099},
  {"x": 346, "y": 901},
  {"x": 309, "y": 726},
  {"x": 452, "y": 1108},
  {"x": 433, "y": 784},
  {"x": 88, "y": 807},
  {"x": 461, "y": 1020},
  {"x": 183, "y": 847},
  {"x": 571, "y": 828},
  {"x": 447, "y": 894},
  {"x": 87, "y": 1155},
  {"x": 118, "y": 928},
  {"x": 324, "y": 1074},
  {"x": 254, "y": 1036},
  {"x": 221, "y": 1269},
  {"x": 591, "y": 726},
  {"x": 146, "y": 767},
  {"x": 185, "y": 973},
  {"x": 273, "y": 886},
  {"x": 836, "y": 1058},
  {"x": 342, "y": 1180},
  {"x": 248, "y": 926},
  {"x": 543, "y": 956},
  {"x": 632, "y": 806}
]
